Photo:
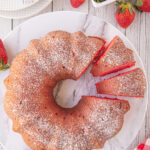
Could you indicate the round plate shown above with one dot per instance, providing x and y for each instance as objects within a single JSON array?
[
  {"x": 27, "y": 12},
  {"x": 12, "y": 5},
  {"x": 37, "y": 27}
]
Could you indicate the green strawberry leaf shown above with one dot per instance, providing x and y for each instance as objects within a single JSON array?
[
  {"x": 123, "y": 10},
  {"x": 133, "y": 9},
  {"x": 137, "y": 8},
  {"x": 6, "y": 66},
  {"x": 130, "y": 10},
  {"x": 1, "y": 61},
  {"x": 123, "y": 5},
  {"x": 139, "y": 3},
  {"x": 118, "y": 11},
  {"x": 2, "y": 66}
]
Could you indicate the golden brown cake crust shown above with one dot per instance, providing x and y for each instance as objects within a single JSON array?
[{"x": 29, "y": 100}]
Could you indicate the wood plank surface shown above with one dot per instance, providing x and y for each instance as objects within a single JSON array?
[{"x": 138, "y": 33}]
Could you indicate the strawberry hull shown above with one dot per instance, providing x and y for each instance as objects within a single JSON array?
[{"x": 3, "y": 54}]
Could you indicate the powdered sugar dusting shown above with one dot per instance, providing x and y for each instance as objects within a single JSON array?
[
  {"x": 106, "y": 117},
  {"x": 115, "y": 56},
  {"x": 118, "y": 54},
  {"x": 30, "y": 103},
  {"x": 85, "y": 50},
  {"x": 131, "y": 83}
]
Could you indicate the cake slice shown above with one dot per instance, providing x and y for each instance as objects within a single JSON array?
[
  {"x": 85, "y": 50},
  {"x": 114, "y": 58},
  {"x": 131, "y": 83}
]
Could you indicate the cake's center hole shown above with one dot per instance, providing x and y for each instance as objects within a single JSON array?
[{"x": 68, "y": 93}]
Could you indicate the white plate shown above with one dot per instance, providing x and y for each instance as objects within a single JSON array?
[
  {"x": 27, "y": 12},
  {"x": 37, "y": 27},
  {"x": 100, "y": 4},
  {"x": 12, "y": 5}
]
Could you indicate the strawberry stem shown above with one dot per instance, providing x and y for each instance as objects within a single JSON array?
[
  {"x": 125, "y": 5},
  {"x": 2, "y": 66},
  {"x": 1, "y": 61},
  {"x": 139, "y": 3}
]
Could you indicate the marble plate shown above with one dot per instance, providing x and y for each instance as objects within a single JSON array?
[
  {"x": 70, "y": 91},
  {"x": 12, "y": 5}
]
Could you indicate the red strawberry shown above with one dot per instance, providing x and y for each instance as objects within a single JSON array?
[
  {"x": 76, "y": 3},
  {"x": 3, "y": 57},
  {"x": 143, "y": 5},
  {"x": 125, "y": 13}
]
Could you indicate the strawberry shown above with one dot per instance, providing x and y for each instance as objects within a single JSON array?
[
  {"x": 3, "y": 57},
  {"x": 76, "y": 3},
  {"x": 143, "y": 5},
  {"x": 125, "y": 13}
]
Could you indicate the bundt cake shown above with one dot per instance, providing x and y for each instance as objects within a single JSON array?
[
  {"x": 29, "y": 99},
  {"x": 115, "y": 57},
  {"x": 131, "y": 83}
]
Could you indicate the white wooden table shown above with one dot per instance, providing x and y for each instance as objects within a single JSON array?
[{"x": 138, "y": 33}]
